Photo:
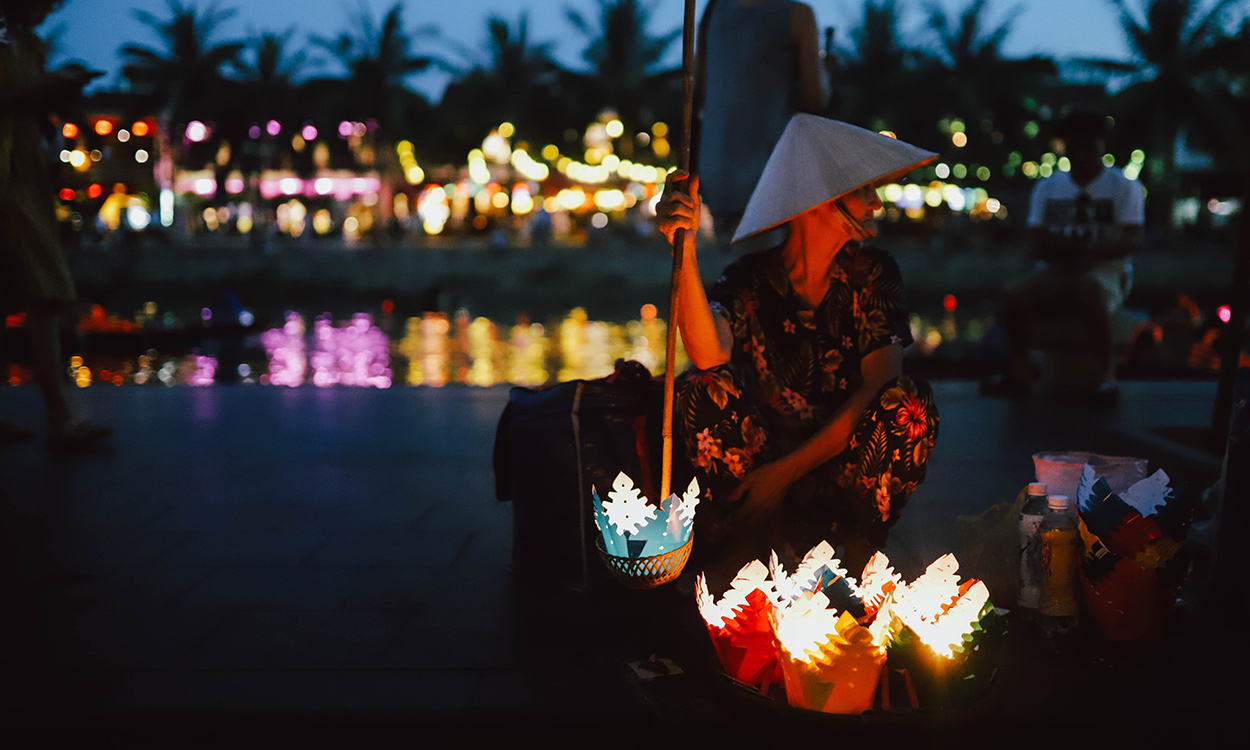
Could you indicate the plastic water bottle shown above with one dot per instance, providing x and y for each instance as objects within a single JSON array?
[
  {"x": 1031, "y": 547},
  {"x": 1061, "y": 560}
]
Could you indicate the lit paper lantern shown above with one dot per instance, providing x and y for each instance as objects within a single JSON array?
[
  {"x": 944, "y": 633},
  {"x": 641, "y": 544},
  {"x": 742, "y": 624},
  {"x": 739, "y": 626},
  {"x": 829, "y": 661}
]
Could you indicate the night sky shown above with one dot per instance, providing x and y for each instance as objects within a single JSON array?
[{"x": 95, "y": 29}]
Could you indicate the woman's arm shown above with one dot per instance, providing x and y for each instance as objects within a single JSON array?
[
  {"x": 764, "y": 489},
  {"x": 706, "y": 335}
]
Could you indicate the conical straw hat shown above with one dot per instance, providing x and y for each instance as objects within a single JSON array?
[{"x": 818, "y": 160}]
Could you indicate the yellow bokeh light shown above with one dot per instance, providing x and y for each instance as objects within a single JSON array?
[
  {"x": 614, "y": 128},
  {"x": 478, "y": 172},
  {"x": 571, "y": 198},
  {"x": 522, "y": 202},
  {"x": 507, "y": 129},
  {"x": 550, "y": 152},
  {"x": 959, "y": 139},
  {"x": 659, "y": 130},
  {"x": 322, "y": 223},
  {"x": 609, "y": 200}
]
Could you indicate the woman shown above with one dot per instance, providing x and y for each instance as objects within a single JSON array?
[
  {"x": 798, "y": 417},
  {"x": 34, "y": 277}
]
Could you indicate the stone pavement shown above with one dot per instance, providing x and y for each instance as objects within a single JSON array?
[{"x": 332, "y": 559}]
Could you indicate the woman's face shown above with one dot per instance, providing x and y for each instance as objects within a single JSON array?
[{"x": 861, "y": 205}]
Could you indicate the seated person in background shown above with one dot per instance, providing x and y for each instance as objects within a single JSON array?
[
  {"x": 798, "y": 418},
  {"x": 1084, "y": 223}
]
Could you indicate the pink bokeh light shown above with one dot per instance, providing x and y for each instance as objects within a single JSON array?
[
  {"x": 205, "y": 372},
  {"x": 285, "y": 348},
  {"x": 357, "y": 354}
]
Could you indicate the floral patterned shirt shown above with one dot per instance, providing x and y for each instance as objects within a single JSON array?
[{"x": 802, "y": 364}]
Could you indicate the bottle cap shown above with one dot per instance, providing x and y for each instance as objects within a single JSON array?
[
  {"x": 1037, "y": 488},
  {"x": 1058, "y": 502}
]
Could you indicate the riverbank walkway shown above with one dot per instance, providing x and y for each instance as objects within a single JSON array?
[{"x": 331, "y": 564}]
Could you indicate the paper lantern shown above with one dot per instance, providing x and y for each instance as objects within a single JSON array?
[
  {"x": 829, "y": 662},
  {"x": 744, "y": 624},
  {"x": 643, "y": 545},
  {"x": 1135, "y": 559},
  {"x": 832, "y": 636},
  {"x": 944, "y": 633},
  {"x": 739, "y": 626}
]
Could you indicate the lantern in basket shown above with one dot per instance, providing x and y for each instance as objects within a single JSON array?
[{"x": 643, "y": 545}]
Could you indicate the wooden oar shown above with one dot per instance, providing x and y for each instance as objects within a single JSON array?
[{"x": 679, "y": 241}]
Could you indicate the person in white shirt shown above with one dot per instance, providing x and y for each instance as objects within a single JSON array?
[{"x": 1085, "y": 224}]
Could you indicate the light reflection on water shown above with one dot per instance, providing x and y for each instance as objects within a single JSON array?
[{"x": 432, "y": 350}]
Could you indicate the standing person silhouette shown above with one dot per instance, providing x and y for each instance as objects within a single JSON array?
[
  {"x": 758, "y": 64},
  {"x": 34, "y": 277}
]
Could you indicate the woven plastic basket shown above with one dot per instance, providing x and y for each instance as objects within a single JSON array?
[{"x": 645, "y": 572}]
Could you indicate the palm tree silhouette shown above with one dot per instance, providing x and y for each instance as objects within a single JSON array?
[
  {"x": 623, "y": 58},
  {"x": 1179, "y": 81},
  {"x": 875, "y": 68},
  {"x": 184, "y": 77},
  {"x": 186, "y": 71},
  {"x": 974, "y": 81},
  {"x": 517, "y": 82},
  {"x": 378, "y": 59},
  {"x": 267, "y": 74}
]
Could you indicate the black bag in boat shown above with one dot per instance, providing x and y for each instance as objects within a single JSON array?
[{"x": 553, "y": 444}]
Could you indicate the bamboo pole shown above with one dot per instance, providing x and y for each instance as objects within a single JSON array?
[{"x": 679, "y": 242}]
